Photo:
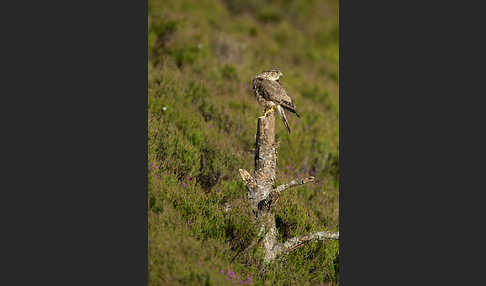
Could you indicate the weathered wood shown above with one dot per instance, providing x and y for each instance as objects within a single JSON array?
[
  {"x": 263, "y": 196},
  {"x": 293, "y": 183},
  {"x": 298, "y": 241}
]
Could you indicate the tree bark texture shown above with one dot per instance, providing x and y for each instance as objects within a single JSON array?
[{"x": 263, "y": 196}]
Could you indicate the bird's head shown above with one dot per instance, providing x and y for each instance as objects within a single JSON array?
[{"x": 274, "y": 74}]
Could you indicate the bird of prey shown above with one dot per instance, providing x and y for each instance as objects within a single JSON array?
[{"x": 270, "y": 94}]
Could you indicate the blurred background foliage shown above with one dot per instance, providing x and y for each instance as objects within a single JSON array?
[{"x": 201, "y": 129}]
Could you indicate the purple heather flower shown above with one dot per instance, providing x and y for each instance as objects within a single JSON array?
[
  {"x": 189, "y": 222},
  {"x": 231, "y": 274},
  {"x": 312, "y": 172},
  {"x": 221, "y": 271},
  {"x": 183, "y": 184}
]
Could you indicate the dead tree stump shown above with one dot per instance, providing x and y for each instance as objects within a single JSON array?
[{"x": 263, "y": 196}]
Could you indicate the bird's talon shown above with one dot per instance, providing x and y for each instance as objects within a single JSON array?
[{"x": 268, "y": 111}]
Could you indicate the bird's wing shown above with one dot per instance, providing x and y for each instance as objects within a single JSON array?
[{"x": 273, "y": 91}]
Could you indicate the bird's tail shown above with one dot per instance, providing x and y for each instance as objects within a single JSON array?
[
  {"x": 290, "y": 107},
  {"x": 281, "y": 113}
]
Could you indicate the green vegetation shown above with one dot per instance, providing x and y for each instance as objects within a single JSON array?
[{"x": 202, "y": 123}]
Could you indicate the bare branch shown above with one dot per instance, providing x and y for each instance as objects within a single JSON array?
[
  {"x": 271, "y": 199},
  {"x": 293, "y": 183},
  {"x": 248, "y": 180},
  {"x": 298, "y": 241}
]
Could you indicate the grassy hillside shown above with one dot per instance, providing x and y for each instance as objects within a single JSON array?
[{"x": 202, "y": 122}]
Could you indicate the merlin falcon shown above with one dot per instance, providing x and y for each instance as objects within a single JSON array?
[{"x": 270, "y": 94}]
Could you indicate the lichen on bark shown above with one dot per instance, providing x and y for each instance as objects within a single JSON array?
[{"x": 263, "y": 196}]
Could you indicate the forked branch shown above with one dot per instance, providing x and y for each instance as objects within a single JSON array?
[{"x": 263, "y": 197}]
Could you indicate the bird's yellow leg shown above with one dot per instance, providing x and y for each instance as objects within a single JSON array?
[{"x": 268, "y": 111}]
